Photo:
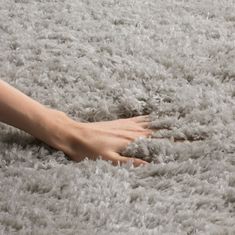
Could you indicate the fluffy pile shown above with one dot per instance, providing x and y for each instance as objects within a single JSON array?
[{"x": 109, "y": 59}]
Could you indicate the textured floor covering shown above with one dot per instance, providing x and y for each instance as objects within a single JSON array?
[{"x": 106, "y": 59}]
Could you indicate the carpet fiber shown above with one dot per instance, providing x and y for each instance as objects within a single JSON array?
[{"x": 109, "y": 59}]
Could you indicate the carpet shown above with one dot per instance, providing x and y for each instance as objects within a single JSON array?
[{"x": 108, "y": 59}]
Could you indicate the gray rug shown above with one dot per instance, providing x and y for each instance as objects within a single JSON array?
[{"x": 109, "y": 59}]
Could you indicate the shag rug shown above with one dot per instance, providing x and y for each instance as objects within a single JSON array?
[{"x": 102, "y": 60}]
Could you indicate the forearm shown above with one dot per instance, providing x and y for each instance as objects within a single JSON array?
[{"x": 21, "y": 111}]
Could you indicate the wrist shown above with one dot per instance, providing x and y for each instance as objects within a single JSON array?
[
  {"x": 60, "y": 129},
  {"x": 54, "y": 128}
]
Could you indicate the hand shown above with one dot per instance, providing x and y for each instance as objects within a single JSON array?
[
  {"x": 77, "y": 140},
  {"x": 107, "y": 139}
]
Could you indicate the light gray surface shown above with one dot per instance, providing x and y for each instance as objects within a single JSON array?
[{"x": 105, "y": 59}]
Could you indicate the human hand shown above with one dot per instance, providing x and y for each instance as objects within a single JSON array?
[
  {"x": 77, "y": 140},
  {"x": 106, "y": 138}
]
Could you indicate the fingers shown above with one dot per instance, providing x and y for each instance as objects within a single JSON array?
[
  {"x": 143, "y": 118},
  {"x": 116, "y": 159},
  {"x": 143, "y": 121},
  {"x": 144, "y": 125},
  {"x": 131, "y": 136},
  {"x": 148, "y": 126}
]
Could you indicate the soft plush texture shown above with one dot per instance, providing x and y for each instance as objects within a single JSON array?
[{"x": 109, "y": 59}]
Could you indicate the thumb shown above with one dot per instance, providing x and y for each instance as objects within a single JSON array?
[{"x": 116, "y": 157}]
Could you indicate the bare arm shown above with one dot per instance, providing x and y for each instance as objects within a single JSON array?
[
  {"x": 20, "y": 111},
  {"x": 78, "y": 140}
]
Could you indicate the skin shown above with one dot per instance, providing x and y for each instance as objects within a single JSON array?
[{"x": 76, "y": 139}]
